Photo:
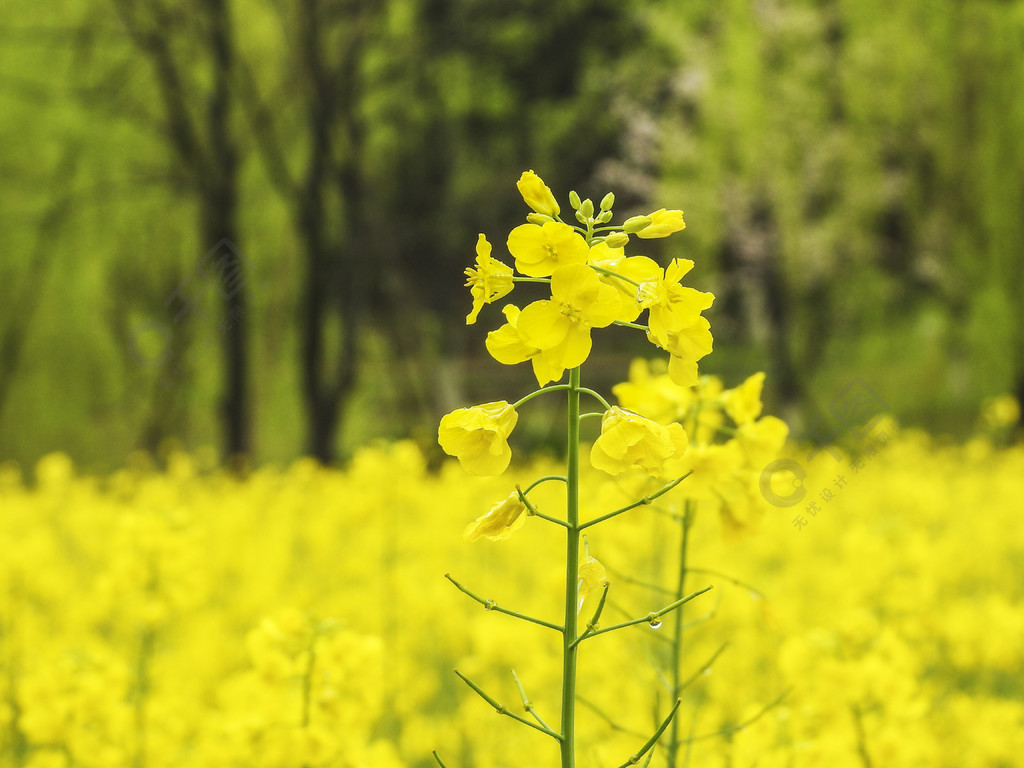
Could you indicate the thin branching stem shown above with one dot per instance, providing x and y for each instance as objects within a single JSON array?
[
  {"x": 638, "y": 503},
  {"x": 654, "y": 616},
  {"x": 527, "y": 704},
  {"x": 635, "y": 758},
  {"x": 740, "y": 726},
  {"x": 502, "y": 710},
  {"x": 490, "y": 605},
  {"x": 592, "y": 624},
  {"x": 532, "y": 510}
]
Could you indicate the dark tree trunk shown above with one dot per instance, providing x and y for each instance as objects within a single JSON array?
[{"x": 220, "y": 228}]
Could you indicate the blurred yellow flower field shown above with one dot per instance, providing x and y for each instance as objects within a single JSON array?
[{"x": 301, "y": 617}]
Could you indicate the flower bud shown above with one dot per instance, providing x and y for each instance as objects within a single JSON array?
[
  {"x": 574, "y": 200},
  {"x": 604, "y": 217},
  {"x": 663, "y": 223},
  {"x": 587, "y": 208},
  {"x": 617, "y": 240},
  {"x": 607, "y": 201},
  {"x": 538, "y": 218},
  {"x": 636, "y": 223},
  {"x": 536, "y": 194}
]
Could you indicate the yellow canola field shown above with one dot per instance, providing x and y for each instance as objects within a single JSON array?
[{"x": 301, "y": 617}]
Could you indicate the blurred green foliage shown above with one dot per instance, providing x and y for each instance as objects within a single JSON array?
[{"x": 852, "y": 176}]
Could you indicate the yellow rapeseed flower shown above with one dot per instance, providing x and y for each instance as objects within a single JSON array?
[
  {"x": 671, "y": 306},
  {"x": 488, "y": 281},
  {"x": 478, "y": 436},
  {"x": 503, "y": 519},
  {"x": 629, "y": 271},
  {"x": 537, "y": 194},
  {"x": 686, "y": 346},
  {"x": 560, "y": 326},
  {"x": 630, "y": 441},
  {"x": 539, "y": 249},
  {"x": 743, "y": 403}
]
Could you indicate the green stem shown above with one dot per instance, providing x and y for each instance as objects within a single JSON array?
[
  {"x": 625, "y": 324},
  {"x": 639, "y": 503},
  {"x": 635, "y": 758},
  {"x": 490, "y": 605},
  {"x": 616, "y": 275},
  {"x": 545, "y": 479},
  {"x": 501, "y": 709},
  {"x": 572, "y": 568},
  {"x": 561, "y": 388},
  {"x": 677, "y": 635},
  {"x": 596, "y": 396},
  {"x": 653, "y": 617}
]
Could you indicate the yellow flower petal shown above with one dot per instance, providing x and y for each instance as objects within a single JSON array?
[
  {"x": 540, "y": 249},
  {"x": 503, "y": 519},
  {"x": 478, "y": 436}
]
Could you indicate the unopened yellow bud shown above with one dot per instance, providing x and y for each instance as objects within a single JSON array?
[
  {"x": 636, "y": 223},
  {"x": 663, "y": 223},
  {"x": 574, "y": 200},
  {"x": 607, "y": 201},
  {"x": 617, "y": 240},
  {"x": 537, "y": 194},
  {"x": 538, "y": 218}
]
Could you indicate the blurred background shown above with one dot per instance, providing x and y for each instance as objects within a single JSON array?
[{"x": 244, "y": 224}]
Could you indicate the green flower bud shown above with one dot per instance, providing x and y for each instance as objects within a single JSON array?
[
  {"x": 607, "y": 201},
  {"x": 617, "y": 240},
  {"x": 604, "y": 217},
  {"x": 637, "y": 223},
  {"x": 574, "y": 200},
  {"x": 538, "y": 218},
  {"x": 587, "y": 208}
]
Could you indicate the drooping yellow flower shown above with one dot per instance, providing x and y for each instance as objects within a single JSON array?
[
  {"x": 488, "y": 281},
  {"x": 537, "y": 194},
  {"x": 591, "y": 577},
  {"x": 630, "y": 441},
  {"x": 743, "y": 403},
  {"x": 560, "y": 326},
  {"x": 478, "y": 436},
  {"x": 663, "y": 223},
  {"x": 671, "y": 306},
  {"x": 539, "y": 249},
  {"x": 686, "y": 346},
  {"x": 503, "y": 519}
]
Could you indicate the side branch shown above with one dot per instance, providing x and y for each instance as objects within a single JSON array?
[
  {"x": 635, "y": 758},
  {"x": 638, "y": 503},
  {"x": 654, "y": 617},
  {"x": 740, "y": 726},
  {"x": 501, "y": 710},
  {"x": 527, "y": 704},
  {"x": 532, "y": 510},
  {"x": 490, "y": 605},
  {"x": 592, "y": 624}
]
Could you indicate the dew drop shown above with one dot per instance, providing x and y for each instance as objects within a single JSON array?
[{"x": 655, "y": 623}]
